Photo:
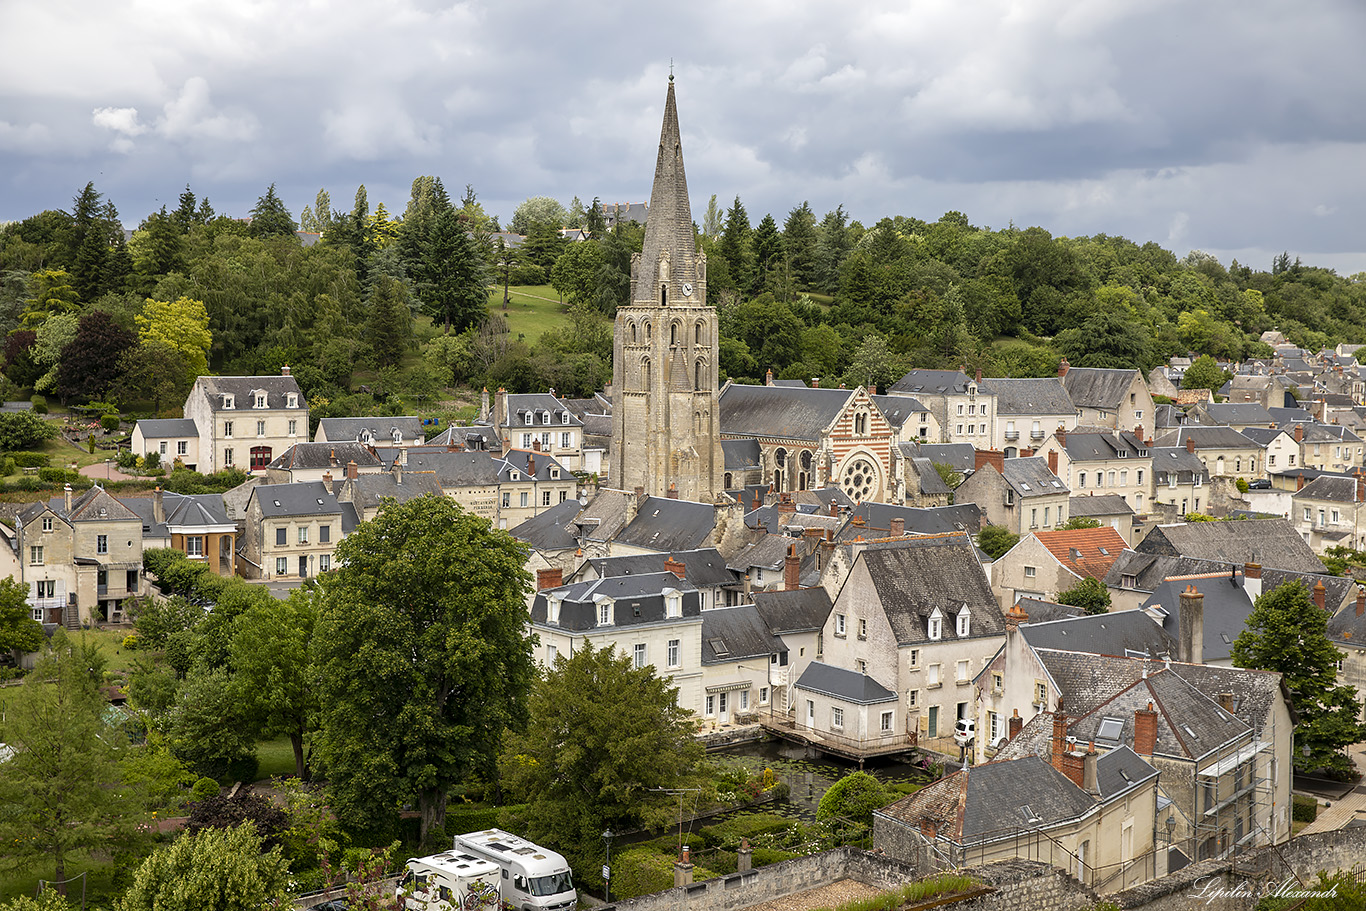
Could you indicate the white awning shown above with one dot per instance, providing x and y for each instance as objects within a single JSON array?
[{"x": 729, "y": 685}]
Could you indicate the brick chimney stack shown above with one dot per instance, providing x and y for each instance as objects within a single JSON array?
[
  {"x": 1053, "y": 461},
  {"x": 993, "y": 457},
  {"x": 1145, "y": 731},
  {"x": 1320, "y": 595},
  {"x": 1063, "y": 367},
  {"x": 1059, "y": 750},
  {"x": 1014, "y": 617},
  {"x": 674, "y": 566},
  {"x": 1191, "y": 642},
  {"x": 1061, "y": 434},
  {"x": 792, "y": 569},
  {"x": 1190, "y": 444},
  {"x": 640, "y": 497},
  {"x": 1299, "y": 433},
  {"x": 284, "y": 371},
  {"x": 1014, "y": 724},
  {"x": 549, "y": 578},
  {"x": 898, "y": 527},
  {"x": 351, "y": 470},
  {"x": 1361, "y": 601}
]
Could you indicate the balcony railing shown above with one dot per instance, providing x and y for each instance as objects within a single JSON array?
[
  {"x": 1012, "y": 434},
  {"x": 1036, "y": 434}
]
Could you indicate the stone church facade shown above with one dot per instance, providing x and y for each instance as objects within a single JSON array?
[{"x": 665, "y": 416}]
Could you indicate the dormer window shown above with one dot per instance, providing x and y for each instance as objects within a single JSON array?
[
  {"x": 964, "y": 621},
  {"x": 397, "y": 436},
  {"x": 552, "y": 610},
  {"x": 564, "y": 417},
  {"x": 291, "y": 400},
  {"x": 554, "y": 474},
  {"x": 529, "y": 418},
  {"x": 545, "y": 417},
  {"x": 605, "y": 612},
  {"x": 514, "y": 476},
  {"x": 936, "y": 625},
  {"x": 673, "y": 603},
  {"x": 228, "y": 401},
  {"x": 260, "y": 400}
]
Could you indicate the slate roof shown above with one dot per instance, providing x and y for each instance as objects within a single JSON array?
[
  {"x": 1044, "y": 396},
  {"x": 538, "y": 403},
  {"x": 1031, "y": 478},
  {"x": 1291, "y": 416},
  {"x": 371, "y": 429},
  {"x": 1190, "y": 725},
  {"x": 181, "y": 511},
  {"x": 473, "y": 437},
  {"x": 519, "y": 460},
  {"x": 801, "y": 611},
  {"x": 1209, "y": 438},
  {"x": 1109, "y": 504},
  {"x": 1228, "y": 413},
  {"x": 368, "y": 491},
  {"x": 1270, "y": 542},
  {"x": 1329, "y": 488},
  {"x": 1097, "y": 387},
  {"x": 1040, "y": 611},
  {"x": 845, "y": 685},
  {"x": 1119, "y": 770},
  {"x": 461, "y": 468},
  {"x": 704, "y": 567},
  {"x": 782, "y": 412},
  {"x": 932, "y": 520},
  {"x": 1347, "y": 627},
  {"x": 769, "y": 552},
  {"x": 550, "y": 529},
  {"x": 327, "y": 455},
  {"x": 1337, "y": 589},
  {"x": 1089, "y": 446},
  {"x": 93, "y": 505},
  {"x": 741, "y": 454},
  {"x": 1118, "y": 633},
  {"x": 168, "y": 427},
  {"x": 1225, "y": 610},
  {"x": 276, "y": 388},
  {"x": 665, "y": 524},
  {"x": 1175, "y": 460},
  {"x": 931, "y": 484},
  {"x": 1084, "y": 551},
  {"x": 1326, "y": 433},
  {"x": 993, "y": 799},
  {"x": 301, "y": 498},
  {"x": 958, "y": 456},
  {"x": 932, "y": 382},
  {"x": 897, "y": 409},
  {"x": 637, "y": 600},
  {"x": 914, "y": 577},
  {"x": 731, "y": 634}
]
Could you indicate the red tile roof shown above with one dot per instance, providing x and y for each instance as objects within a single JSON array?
[{"x": 1085, "y": 551}]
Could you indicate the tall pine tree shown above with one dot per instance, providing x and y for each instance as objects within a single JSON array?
[{"x": 452, "y": 288}]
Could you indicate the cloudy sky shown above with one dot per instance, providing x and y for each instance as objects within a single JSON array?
[{"x": 1233, "y": 126}]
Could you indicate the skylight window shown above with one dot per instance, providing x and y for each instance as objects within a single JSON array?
[
  {"x": 1024, "y": 485},
  {"x": 1110, "y": 728}
]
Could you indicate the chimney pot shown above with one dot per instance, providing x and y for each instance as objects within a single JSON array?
[
  {"x": 678, "y": 568},
  {"x": 1063, "y": 367},
  {"x": 1145, "y": 731},
  {"x": 792, "y": 569},
  {"x": 1190, "y": 444},
  {"x": 898, "y": 527},
  {"x": 1320, "y": 595},
  {"x": 1252, "y": 570}
]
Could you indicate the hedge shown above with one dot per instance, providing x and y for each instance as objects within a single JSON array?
[
  {"x": 1306, "y": 809},
  {"x": 462, "y": 818},
  {"x": 30, "y": 459}
]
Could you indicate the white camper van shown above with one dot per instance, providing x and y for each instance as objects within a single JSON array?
[
  {"x": 453, "y": 881},
  {"x": 532, "y": 879}
]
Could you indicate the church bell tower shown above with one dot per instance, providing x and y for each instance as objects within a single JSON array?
[{"x": 665, "y": 431}]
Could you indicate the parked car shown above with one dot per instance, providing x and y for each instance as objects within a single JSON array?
[
  {"x": 964, "y": 731},
  {"x": 1259, "y": 484}
]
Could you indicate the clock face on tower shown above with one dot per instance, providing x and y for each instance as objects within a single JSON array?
[{"x": 687, "y": 289}]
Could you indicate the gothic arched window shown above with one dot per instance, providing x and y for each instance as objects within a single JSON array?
[
  {"x": 697, "y": 333},
  {"x": 697, "y": 376}
]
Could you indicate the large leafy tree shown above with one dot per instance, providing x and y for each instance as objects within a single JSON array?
[
  {"x": 66, "y": 788},
  {"x": 19, "y": 632},
  {"x": 90, "y": 362},
  {"x": 1204, "y": 373},
  {"x": 391, "y": 323},
  {"x": 1089, "y": 594},
  {"x": 182, "y": 324},
  {"x": 272, "y": 669},
  {"x": 1287, "y": 633},
  {"x": 212, "y": 870},
  {"x": 423, "y": 659},
  {"x": 538, "y": 210},
  {"x": 604, "y": 735}
]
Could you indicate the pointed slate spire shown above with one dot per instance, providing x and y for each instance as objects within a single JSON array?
[{"x": 668, "y": 226}]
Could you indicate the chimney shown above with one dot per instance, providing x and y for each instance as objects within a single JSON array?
[
  {"x": 1252, "y": 580},
  {"x": 1252, "y": 570},
  {"x": 857, "y": 520},
  {"x": 531, "y": 465},
  {"x": 549, "y": 578},
  {"x": 351, "y": 470},
  {"x": 673, "y": 491},
  {"x": 284, "y": 371},
  {"x": 815, "y": 382},
  {"x": 327, "y": 479},
  {"x": 978, "y": 380},
  {"x": 640, "y": 496},
  {"x": 1063, "y": 367},
  {"x": 1299, "y": 483},
  {"x": 785, "y": 504},
  {"x": 1059, "y": 738},
  {"x": 1014, "y": 725},
  {"x": 993, "y": 457},
  {"x": 397, "y": 471},
  {"x": 484, "y": 404},
  {"x": 1299, "y": 433},
  {"x": 768, "y": 377},
  {"x": 757, "y": 501},
  {"x": 898, "y": 527},
  {"x": 1138, "y": 432},
  {"x": 158, "y": 506},
  {"x": 1145, "y": 731},
  {"x": 683, "y": 870},
  {"x": 674, "y": 566},
  {"x": 747, "y": 582},
  {"x": 1088, "y": 771},
  {"x": 1361, "y": 489},
  {"x": 792, "y": 569},
  {"x": 1015, "y": 616},
  {"x": 1190, "y": 444},
  {"x": 1226, "y": 702},
  {"x": 536, "y": 445},
  {"x": 1026, "y": 453},
  {"x": 67, "y": 491},
  {"x": 1320, "y": 595},
  {"x": 1053, "y": 461},
  {"x": 1361, "y": 601},
  {"x": 834, "y": 508},
  {"x": 1061, "y": 434},
  {"x": 1191, "y": 640}
]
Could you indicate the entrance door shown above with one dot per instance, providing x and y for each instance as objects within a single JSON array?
[
  {"x": 1081, "y": 860},
  {"x": 303, "y": 567},
  {"x": 810, "y": 714},
  {"x": 722, "y": 715},
  {"x": 933, "y": 726}
]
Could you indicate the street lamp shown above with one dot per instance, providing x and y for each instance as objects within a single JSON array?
[
  {"x": 1171, "y": 827},
  {"x": 607, "y": 867}
]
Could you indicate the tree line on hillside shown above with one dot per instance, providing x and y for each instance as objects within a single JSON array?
[{"x": 828, "y": 298}]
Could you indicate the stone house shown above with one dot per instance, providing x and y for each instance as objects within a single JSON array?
[
  {"x": 1347, "y": 632},
  {"x": 1328, "y": 447},
  {"x": 1117, "y": 399},
  {"x": 655, "y": 619},
  {"x": 198, "y": 526},
  {"x": 1224, "y": 451},
  {"x": 1027, "y": 411},
  {"x": 1331, "y": 511},
  {"x": 469, "y": 477},
  {"x": 529, "y": 482},
  {"x": 292, "y": 530},
  {"x": 910, "y": 420},
  {"x": 1045, "y": 563},
  {"x": 80, "y": 557},
  {"x": 744, "y": 665},
  {"x": 797, "y": 617},
  {"x": 1021, "y": 494},
  {"x": 367, "y": 493},
  {"x": 542, "y": 422},
  {"x": 306, "y": 461},
  {"x": 917, "y": 618},
  {"x": 1272, "y": 542},
  {"x": 705, "y": 568},
  {"x": 1180, "y": 480},
  {"x": 246, "y": 421},
  {"x": 1102, "y": 462},
  {"x": 1109, "y": 510},
  {"x": 389, "y": 431},
  {"x": 964, "y": 409},
  {"x": 171, "y": 439}
]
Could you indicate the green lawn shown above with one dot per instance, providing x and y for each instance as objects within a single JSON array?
[
  {"x": 532, "y": 310},
  {"x": 276, "y": 758},
  {"x": 100, "y": 890}
]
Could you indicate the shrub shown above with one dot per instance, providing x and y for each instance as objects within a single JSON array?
[
  {"x": 7, "y": 467},
  {"x": 854, "y": 797},
  {"x": 730, "y": 832},
  {"x": 471, "y": 818},
  {"x": 1306, "y": 809},
  {"x": 152, "y": 460},
  {"x": 221, "y": 813},
  {"x": 39, "y": 404},
  {"x": 205, "y": 788},
  {"x": 30, "y": 459},
  {"x": 528, "y": 274},
  {"x": 127, "y": 459},
  {"x": 1241, "y": 484},
  {"x": 130, "y": 642},
  {"x": 59, "y": 475},
  {"x": 110, "y": 423}
]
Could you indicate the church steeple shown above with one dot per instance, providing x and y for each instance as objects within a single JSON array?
[
  {"x": 665, "y": 415},
  {"x": 668, "y": 255}
]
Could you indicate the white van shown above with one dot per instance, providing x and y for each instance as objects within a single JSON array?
[
  {"x": 453, "y": 881},
  {"x": 532, "y": 878},
  {"x": 964, "y": 731}
]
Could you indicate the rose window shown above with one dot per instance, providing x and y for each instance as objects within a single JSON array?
[{"x": 859, "y": 479}]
